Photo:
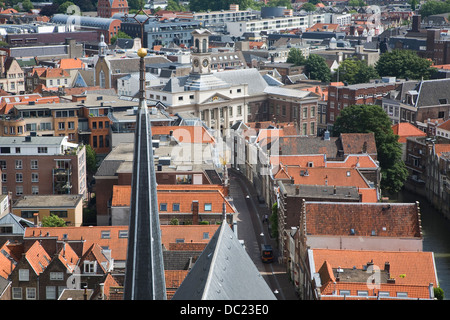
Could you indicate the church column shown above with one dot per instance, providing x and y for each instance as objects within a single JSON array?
[
  {"x": 226, "y": 117},
  {"x": 208, "y": 117}
]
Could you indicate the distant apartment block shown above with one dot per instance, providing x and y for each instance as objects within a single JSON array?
[
  {"x": 35, "y": 165},
  {"x": 238, "y": 28}
]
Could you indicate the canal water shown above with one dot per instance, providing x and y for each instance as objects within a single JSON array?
[{"x": 436, "y": 236}]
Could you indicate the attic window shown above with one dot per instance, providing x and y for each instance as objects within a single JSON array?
[
  {"x": 106, "y": 234},
  {"x": 123, "y": 233},
  {"x": 443, "y": 101},
  {"x": 348, "y": 173},
  {"x": 205, "y": 235}
]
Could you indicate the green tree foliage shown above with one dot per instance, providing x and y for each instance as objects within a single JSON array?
[
  {"x": 120, "y": 35},
  {"x": 91, "y": 159},
  {"x": 404, "y": 64},
  {"x": 372, "y": 118},
  {"x": 296, "y": 57},
  {"x": 356, "y": 3},
  {"x": 431, "y": 7},
  {"x": 63, "y": 8},
  {"x": 438, "y": 293},
  {"x": 355, "y": 71},
  {"x": 316, "y": 68},
  {"x": 309, "y": 7},
  {"x": 53, "y": 221},
  {"x": 174, "y": 5},
  {"x": 27, "y": 5},
  {"x": 279, "y": 3}
]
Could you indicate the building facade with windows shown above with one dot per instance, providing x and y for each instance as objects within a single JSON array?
[{"x": 34, "y": 165}]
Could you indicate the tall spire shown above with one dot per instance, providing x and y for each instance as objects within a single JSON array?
[{"x": 144, "y": 276}]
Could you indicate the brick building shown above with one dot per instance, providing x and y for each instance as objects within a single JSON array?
[
  {"x": 340, "y": 97},
  {"x": 34, "y": 165},
  {"x": 108, "y": 8}
]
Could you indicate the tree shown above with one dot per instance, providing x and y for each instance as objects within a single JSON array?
[
  {"x": 91, "y": 159},
  {"x": 296, "y": 57},
  {"x": 431, "y": 7},
  {"x": 27, "y": 5},
  {"x": 53, "y": 221},
  {"x": 372, "y": 118},
  {"x": 316, "y": 68},
  {"x": 63, "y": 8},
  {"x": 355, "y": 71},
  {"x": 404, "y": 64},
  {"x": 120, "y": 35},
  {"x": 174, "y": 5},
  {"x": 356, "y": 3},
  {"x": 309, "y": 7}
]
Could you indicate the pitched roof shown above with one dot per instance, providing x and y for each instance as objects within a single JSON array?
[
  {"x": 357, "y": 143},
  {"x": 440, "y": 148},
  {"x": 412, "y": 271},
  {"x": 54, "y": 73},
  {"x": 9, "y": 256},
  {"x": 445, "y": 125},
  {"x": 187, "y": 134},
  {"x": 37, "y": 257},
  {"x": 224, "y": 271},
  {"x": 71, "y": 63},
  {"x": 307, "y": 145},
  {"x": 122, "y": 197},
  {"x": 406, "y": 129},
  {"x": 433, "y": 92},
  {"x": 399, "y": 220}
]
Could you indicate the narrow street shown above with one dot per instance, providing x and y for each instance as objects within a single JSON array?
[{"x": 254, "y": 232}]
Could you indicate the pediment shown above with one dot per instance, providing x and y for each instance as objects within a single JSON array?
[{"x": 216, "y": 97}]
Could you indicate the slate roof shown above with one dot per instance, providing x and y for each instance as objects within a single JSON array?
[
  {"x": 397, "y": 220},
  {"x": 224, "y": 271},
  {"x": 309, "y": 145},
  {"x": 431, "y": 91}
]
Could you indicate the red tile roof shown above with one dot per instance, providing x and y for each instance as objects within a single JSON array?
[
  {"x": 37, "y": 257},
  {"x": 122, "y": 197},
  {"x": 118, "y": 245},
  {"x": 54, "y": 73},
  {"x": 10, "y": 254},
  {"x": 412, "y": 271},
  {"x": 71, "y": 63},
  {"x": 397, "y": 220},
  {"x": 189, "y": 134},
  {"x": 406, "y": 129},
  {"x": 356, "y": 143}
]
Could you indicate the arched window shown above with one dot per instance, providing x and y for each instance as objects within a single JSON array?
[{"x": 102, "y": 79}]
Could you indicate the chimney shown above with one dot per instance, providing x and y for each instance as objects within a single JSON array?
[
  {"x": 36, "y": 219},
  {"x": 224, "y": 211},
  {"x": 297, "y": 190},
  {"x": 195, "y": 212},
  {"x": 387, "y": 267},
  {"x": 415, "y": 23}
]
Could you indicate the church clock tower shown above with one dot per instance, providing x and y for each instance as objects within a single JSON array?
[{"x": 201, "y": 58}]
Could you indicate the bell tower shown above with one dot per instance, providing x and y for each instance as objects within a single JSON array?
[{"x": 201, "y": 58}]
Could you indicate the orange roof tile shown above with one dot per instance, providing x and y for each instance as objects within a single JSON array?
[
  {"x": 445, "y": 125},
  {"x": 122, "y": 197},
  {"x": 54, "y": 73},
  {"x": 441, "y": 147},
  {"x": 190, "y": 134},
  {"x": 396, "y": 220},
  {"x": 353, "y": 161},
  {"x": 317, "y": 160},
  {"x": 10, "y": 254},
  {"x": 37, "y": 257},
  {"x": 118, "y": 244},
  {"x": 406, "y": 129},
  {"x": 71, "y": 63},
  {"x": 412, "y": 271}
]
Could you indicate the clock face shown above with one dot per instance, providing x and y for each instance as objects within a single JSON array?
[
  {"x": 205, "y": 62},
  {"x": 196, "y": 63}
]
